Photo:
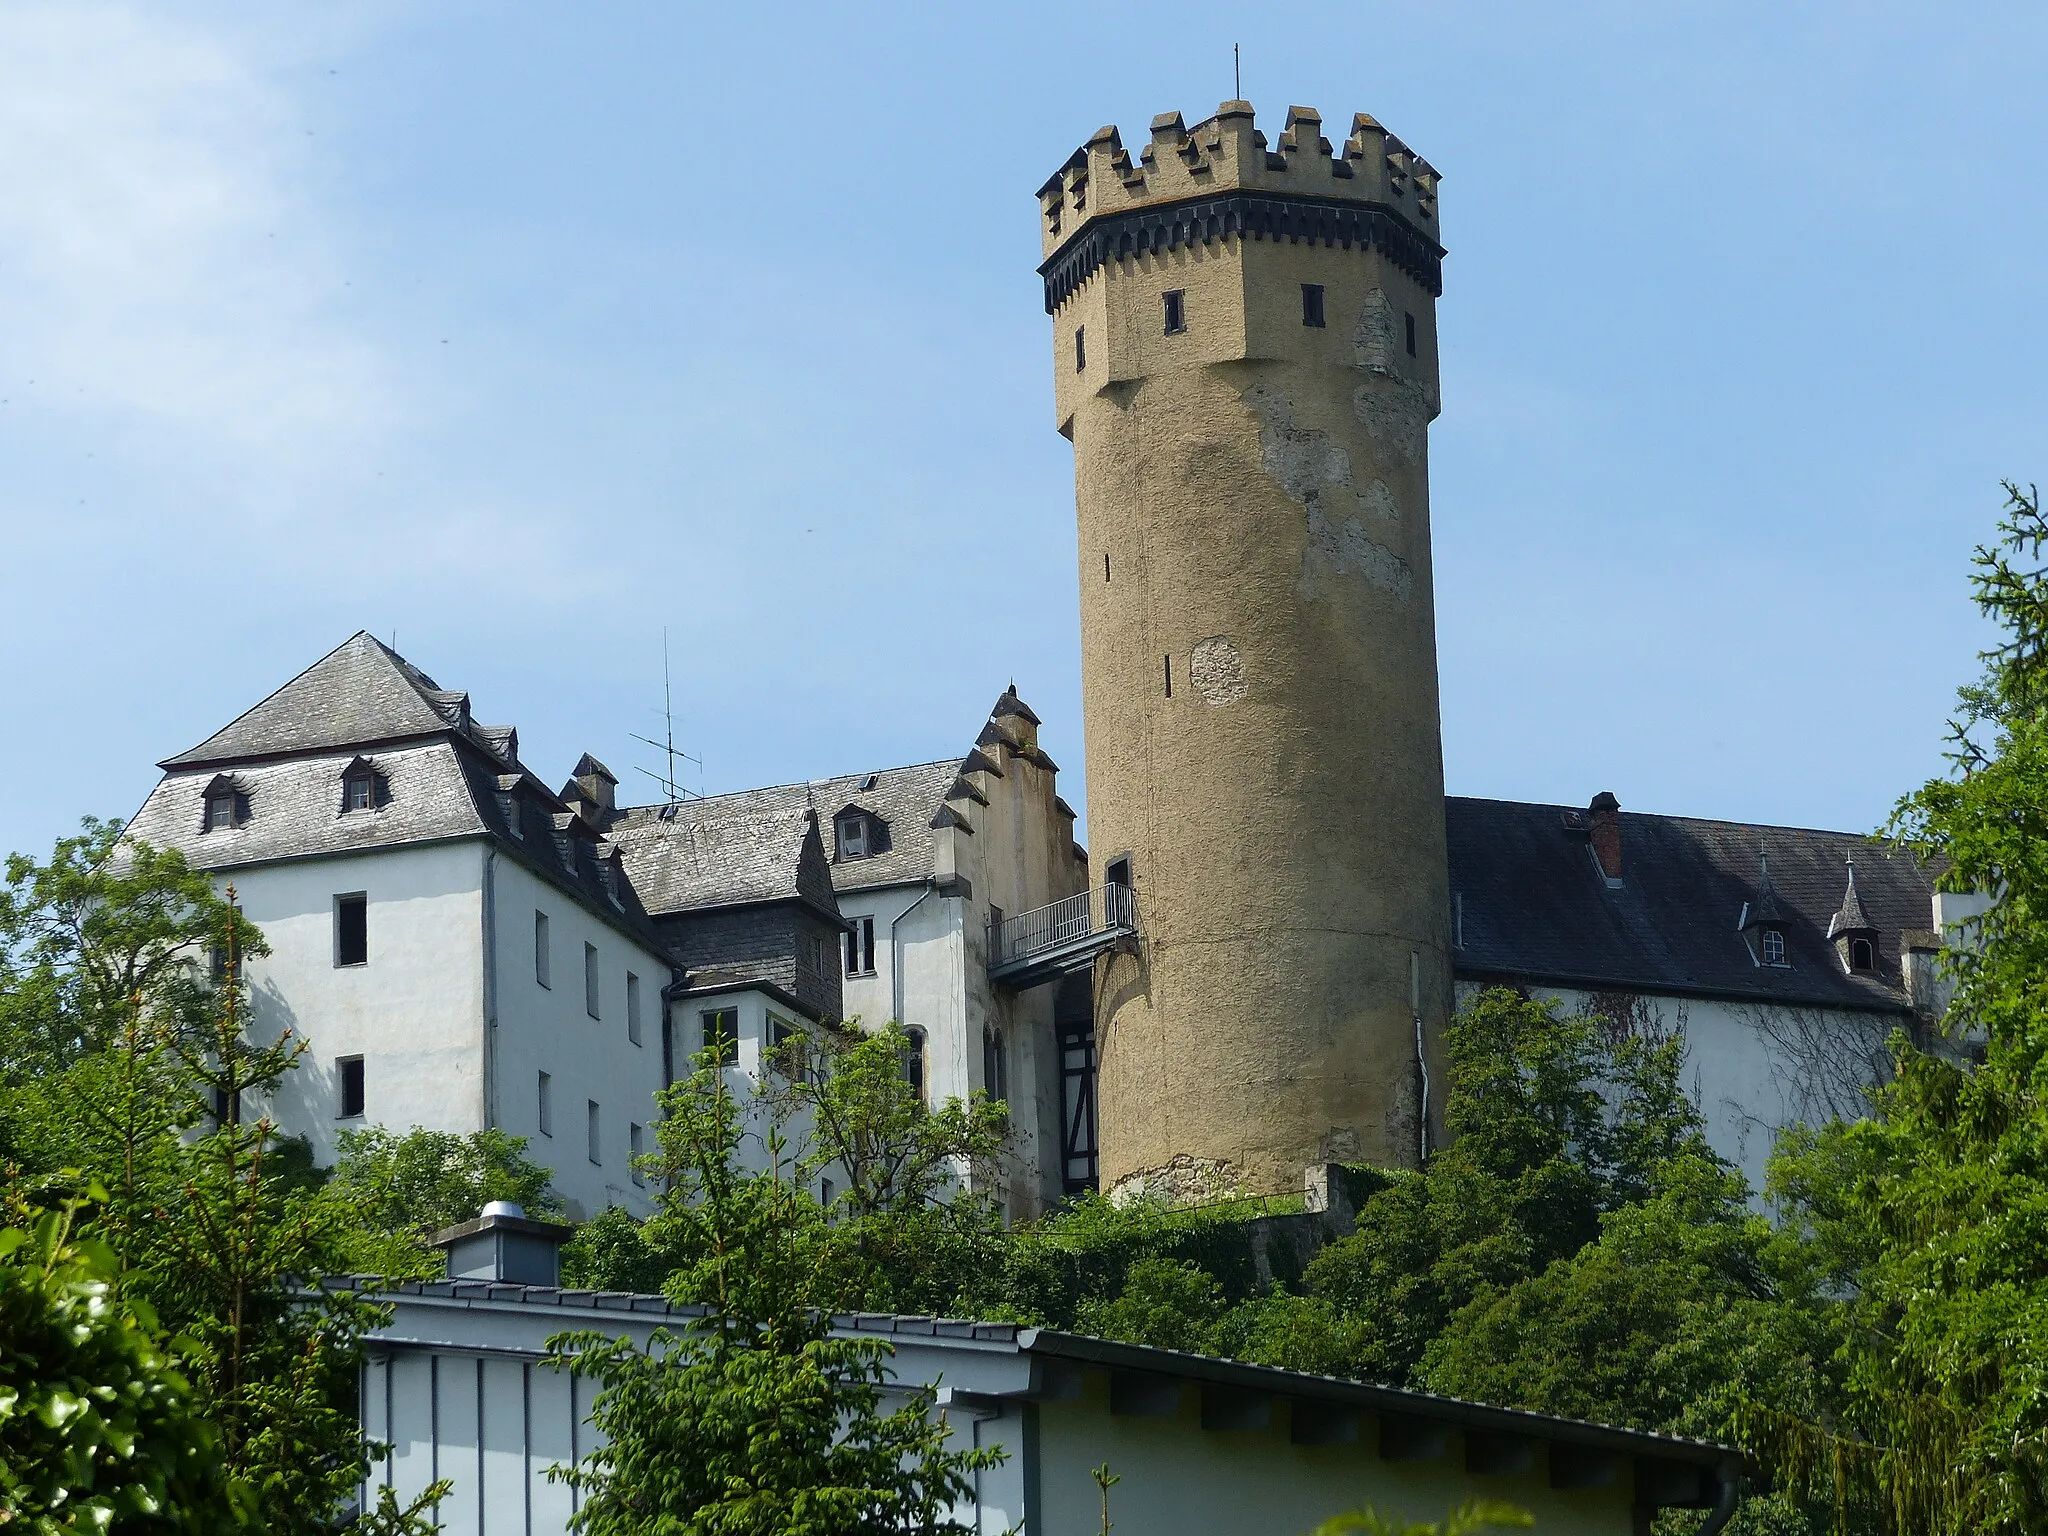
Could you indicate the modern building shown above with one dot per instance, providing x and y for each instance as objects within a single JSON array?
[{"x": 456, "y": 1383}]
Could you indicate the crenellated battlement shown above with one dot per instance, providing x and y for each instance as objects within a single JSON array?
[{"x": 1228, "y": 153}]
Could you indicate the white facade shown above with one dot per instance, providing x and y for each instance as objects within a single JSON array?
[{"x": 448, "y": 1016}]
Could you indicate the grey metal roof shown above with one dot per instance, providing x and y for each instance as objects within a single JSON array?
[
  {"x": 1535, "y": 907},
  {"x": 360, "y": 693}
]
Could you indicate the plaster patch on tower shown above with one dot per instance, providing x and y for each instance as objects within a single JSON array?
[
  {"x": 1217, "y": 671},
  {"x": 1381, "y": 500},
  {"x": 1372, "y": 339},
  {"x": 1316, "y": 472},
  {"x": 1394, "y": 412}
]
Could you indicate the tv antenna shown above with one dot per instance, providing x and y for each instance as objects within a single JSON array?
[
  {"x": 1236, "y": 75},
  {"x": 673, "y": 792}
]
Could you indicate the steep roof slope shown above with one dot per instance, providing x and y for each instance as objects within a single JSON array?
[{"x": 1534, "y": 906}]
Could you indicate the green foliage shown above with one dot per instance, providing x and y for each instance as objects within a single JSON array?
[
  {"x": 405, "y": 1186},
  {"x": 755, "y": 1418},
  {"x": 1484, "y": 1515},
  {"x": 1926, "y": 1221},
  {"x": 99, "y": 1430}
]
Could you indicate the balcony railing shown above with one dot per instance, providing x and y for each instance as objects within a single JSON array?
[{"x": 1061, "y": 938}]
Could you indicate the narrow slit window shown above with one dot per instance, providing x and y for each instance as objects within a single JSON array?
[
  {"x": 1175, "y": 303},
  {"x": 544, "y": 1104},
  {"x": 636, "y": 1142},
  {"x": 1411, "y": 334},
  {"x": 1167, "y": 662},
  {"x": 1080, "y": 349},
  {"x": 352, "y": 929},
  {"x": 541, "y": 967},
  {"x": 632, "y": 1007},
  {"x": 596, "y": 1138},
  {"x": 1105, "y": 565},
  {"x": 590, "y": 980},
  {"x": 913, "y": 1061},
  {"x": 348, "y": 1072},
  {"x": 1312, "y": 304}
]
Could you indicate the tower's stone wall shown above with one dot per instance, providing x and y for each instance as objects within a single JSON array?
[{"x": 1258, "y": 639}]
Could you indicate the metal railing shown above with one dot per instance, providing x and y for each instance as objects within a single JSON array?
[{"x": 1084, "y": 921}]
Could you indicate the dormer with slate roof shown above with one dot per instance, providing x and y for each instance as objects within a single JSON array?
[
  {"x": 1853, "y": 934},
  {"x": 1761, "y": 924}
]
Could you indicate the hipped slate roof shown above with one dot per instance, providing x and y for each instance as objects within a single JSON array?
[
  {"x": 1535, "y": 907},
  {"x": 359, "y": 694},
  {"x": 722, "y": 851}
]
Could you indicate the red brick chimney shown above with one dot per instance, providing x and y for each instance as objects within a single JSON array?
[{"x": 1605, "y": 816}]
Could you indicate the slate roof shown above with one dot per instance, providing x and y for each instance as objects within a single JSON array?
[
  {"x": 725, "y": 849},
  {"x": 447, "y": 776},
  {"x": 1535, "y": 907},
  {"x": 358, "y": 694}
]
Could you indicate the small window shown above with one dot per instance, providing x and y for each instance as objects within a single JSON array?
[
  {"x": 1774, "y": 946},
  {"x": 1167, "y": 662},
  {"x": 1312, "y": 304},
  {"x": 722, "y": 1035},
  {"x": 824, "y": 1192},
  {"x": 359, "y": 792},
  {"x": 860, "y": 947},
  {"x": 217, "y": 962},
  {"x": 596, "y": 1149},
  {"x": 348, "y": 1072},
  {"x": 853, "y": 837},
  {"x": 1080, "y": 349},
  {"x": 1862, "y": 955},
  {"x": 1175, "y": 300},
  {"x": 632, "y": 1007},
  {"x": 352, "y": 929},
  {"x": 1411, "y": 334},
  {"x": 995, "y": 1071},
  {"x": 636, "y": 1144},
  {"x": 220, "y": 812},
  {"x": 544, "y": 1103},
  {"x": 590, "y": 980},
  {"x": 913, "y": 1061},
  {"x": 541, "y": 967},
  {"x": 1105, "y": 565}
]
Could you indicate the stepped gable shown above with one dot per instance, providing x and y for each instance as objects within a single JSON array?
[{"x": 1534, "y": 907}]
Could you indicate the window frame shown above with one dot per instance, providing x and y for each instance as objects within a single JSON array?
[
  {"x": 1174, "y": 303},
  {"x": 635, "y": 1150},
  {"x": 214, "y": 804},
  {"x": 859, "y": 947},
  {"x": 358, "y": 902},
  {"x": 1866, "y": 948},
  {"x": 633, "y": 1007},
  {"x": 853, "y": 838},
  {"x": 1770, "y": 940},
  {"x": 543, "y": 961},
  {"x": 591, "y": 995},
  {"x": 544, "y": 1104},
  {"x": 1314, "y": 314},
  {"x": 1409, "y": 318},
  {"x": 349, "y": 1074},
  {"x": 1080, "y": 349},
  {"x": 593, "y": 1114},
  {"x": 363, "y": 785},
  {"x": 728, "y": 1040}
]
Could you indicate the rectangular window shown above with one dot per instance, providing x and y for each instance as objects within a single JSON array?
[
  {"x": 596, "y": 1134},
  {"x": 590, "y": 980},
  {"x": 634, "y": 1141},
  {"x": 1080, "y": 349},
  {"x": 1312, "y": 304},
  {"x": 1167, "y": 662},
  {"x": 632, "y": 1007},
  {"x": 1175, "y": 303},
  {"x": 541, "y": 967},
  {"x": 722, "y": 1035},
  {"x": 1411, "y": 334},
  {"x": 545, "y": 1104},
  {"x": 860, "y": 947},
  {"x": 352, "y": 929},
  {"x": 349, "y": 1072},
  {"x": 361, "y": 791}
]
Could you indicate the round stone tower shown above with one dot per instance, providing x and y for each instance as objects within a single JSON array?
[{"x": 1244, "y": 349}]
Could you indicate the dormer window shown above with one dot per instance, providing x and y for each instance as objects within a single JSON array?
[
  {"x": 1772, "y": 942},
  {"x": 853, "y": 837},
  {"x": 363, "y": 788},
  {"x": 1862, "y": 955},
  {"x": 227, "y": 806},
  {"x": 361, "y": 793}
]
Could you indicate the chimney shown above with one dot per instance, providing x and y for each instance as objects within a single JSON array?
[
  {"x": 1604, "y": 815},
  {"x": 506, "y": 1244}
]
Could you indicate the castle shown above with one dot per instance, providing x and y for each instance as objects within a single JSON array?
[{"x": 1249, "y": 978}]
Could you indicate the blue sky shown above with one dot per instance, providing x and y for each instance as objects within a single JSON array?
[{"x": 522, "y": 333}]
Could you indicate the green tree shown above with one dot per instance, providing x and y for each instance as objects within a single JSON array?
[
  {"x": 755, "y": 1417},
  {"x": 1927, "y": 1219},
  {"x": 99, "y": 1430},
  {"x": 405, "y": 1186}
]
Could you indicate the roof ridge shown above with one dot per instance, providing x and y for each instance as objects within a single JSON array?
[
  {"x": 1704, "y": 821},
  {"x": 948, "y": 763}
]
